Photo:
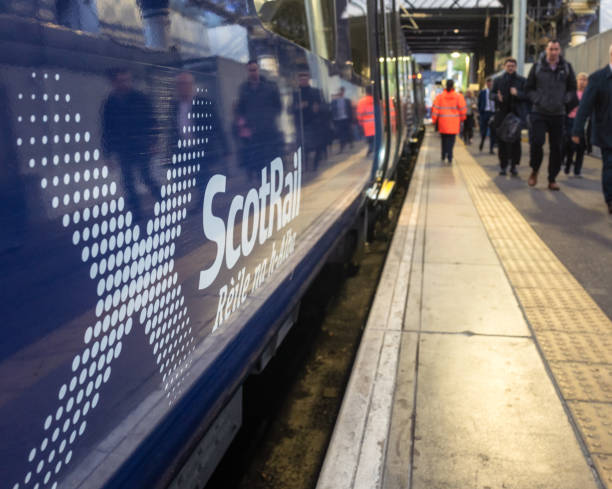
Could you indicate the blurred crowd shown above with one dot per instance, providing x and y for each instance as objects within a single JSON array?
[{"x": 572, "y": 112}]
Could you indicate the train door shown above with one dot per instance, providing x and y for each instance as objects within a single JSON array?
[
  {"x": 403, "y": 95},
  {"x": 393, "y": 61},
  {"x": 381, "y": 91},
  {"x": 419, "y": 95},
  {"x": 411, "y": 119}
]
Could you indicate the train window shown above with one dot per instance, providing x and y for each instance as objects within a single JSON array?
[
  {"x": 76, "y": 14},
  {"x": 309, "y": 23},
  {"x": 193, "y": 27},
  {"x": 352, "y": 48}
]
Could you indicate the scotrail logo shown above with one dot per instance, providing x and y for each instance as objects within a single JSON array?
[{"x": 275, "y": 204}]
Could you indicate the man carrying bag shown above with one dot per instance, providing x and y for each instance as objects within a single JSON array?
[{"x": 511, "y": 104}]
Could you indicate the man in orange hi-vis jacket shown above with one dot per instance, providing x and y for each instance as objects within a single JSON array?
[
  {"x": 448, "y": 112},
  {"x": 365, "y": 116}
]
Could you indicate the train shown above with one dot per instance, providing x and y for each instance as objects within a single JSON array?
[{"x": 174, "y": 175}]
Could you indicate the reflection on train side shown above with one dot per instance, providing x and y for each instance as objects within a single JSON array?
[{"x": 164, "y": 201}]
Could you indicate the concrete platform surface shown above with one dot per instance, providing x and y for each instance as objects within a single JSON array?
[{"x": 451, "y": 387}]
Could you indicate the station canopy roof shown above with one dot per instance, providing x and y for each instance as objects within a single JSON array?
[
  {"x": 450, "y": 4},
  {"x": 443, "y": 26},
  {"x": 438, "y": 26},
  {"x": 356, "y": 8}
]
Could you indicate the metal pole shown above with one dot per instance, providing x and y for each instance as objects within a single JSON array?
[{"x": 519, "y": 28}]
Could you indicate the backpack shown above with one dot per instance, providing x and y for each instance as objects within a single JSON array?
[{"x": 571, "y": 98}]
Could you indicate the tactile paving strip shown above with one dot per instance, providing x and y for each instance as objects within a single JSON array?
[
  {"x": 574, "y": 335},
  {"x": 508, "y": 243},
  {"x": 560, "y": 346},
  {"x": 584, "y": 382},
  {"x": 554, "y": 281},
  {"x": 589, "y": 321},
  {"x": 524, "y": 253},
  {"x": 544, "y": 298},
  {"x": 595, "y": 425},
  {"x": 533, "y": 265},
  {"x": 603, "y": 464}
]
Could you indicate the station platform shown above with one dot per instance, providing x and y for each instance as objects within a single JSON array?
[{"x": 485, "y": 363}]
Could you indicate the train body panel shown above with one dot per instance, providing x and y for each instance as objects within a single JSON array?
[{"x": 163, "y": 211}]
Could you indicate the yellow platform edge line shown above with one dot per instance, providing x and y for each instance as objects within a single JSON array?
[{"x": 573, "y": 334}]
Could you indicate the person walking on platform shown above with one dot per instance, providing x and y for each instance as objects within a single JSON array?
[
  {"x": 342, "y": 115},
  {"x": 551, "y": 87},
  {"x": 597, "y": 102},
  {"x": 486, "y": 110},
  {"x": 509, "y": 92},
  {"x": 257, "y": 110},
  {"x": 448, "y": 112},
  {"x": 311, "y": 112},
  {"x": 129, "y": 133},
  {"x": 365, "y": 116},
  {"x": 572, "y": 149},
  {"x": 468, "y": 125}
]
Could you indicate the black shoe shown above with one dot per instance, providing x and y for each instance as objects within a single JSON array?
[
  {"x": 566, "y": 169},
  {"x": 503, "y": 173},
  {"x": 491, "y": 152},
  {"x": 514, "y": 172},
  {"x": 610, "y": 207},
  {"x": 481, "y": 145}
]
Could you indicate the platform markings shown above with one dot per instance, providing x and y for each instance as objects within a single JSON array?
[
  {"x": 356, "y": 455},
  {"x": 571, "y": 331}
]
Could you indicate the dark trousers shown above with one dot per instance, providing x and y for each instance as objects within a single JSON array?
[
  {"x": 509, "y": 153},
  {"x": 540, "y": 125},
  {"x": 485, "y": 129},
  {"x": 572, "y": 149},
  {"x": 315, "y": 143},
  {"x": 448, "y": 143},
  {"x": 343, "y": 132},
  {"x": 255, "y": 154},
  {"x": 133, "y": 167},
  {"x": 370, "y": 140},
  {"x": 468, "y": 128},
  {"x": 606, "y": 173}
]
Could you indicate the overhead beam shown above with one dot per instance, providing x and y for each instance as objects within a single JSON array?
[
  {"x": 436, "y": 33},
  {"x": 446, "y": 49}
]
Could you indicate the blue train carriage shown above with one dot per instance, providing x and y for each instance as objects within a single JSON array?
[{"x": 174, "y": 174}]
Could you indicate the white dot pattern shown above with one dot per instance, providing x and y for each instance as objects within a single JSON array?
[{"x": 134, "y": 274}]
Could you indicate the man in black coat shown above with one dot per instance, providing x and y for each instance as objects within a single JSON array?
[
  {"x": 509, "y": 93},
  {"x": 129, "y": 132},
  {"x": 195, "y": 125},
  {"x": 551, "y": 87},
  {"x": 486, "y": 110},
  {"x": 342, "y": 115},
  {"x": 597, "y": 103},
  {"x": 311, "y": 112},
  {"x": 257, "y": 110},
  {"x": 196, "y": 133}
]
